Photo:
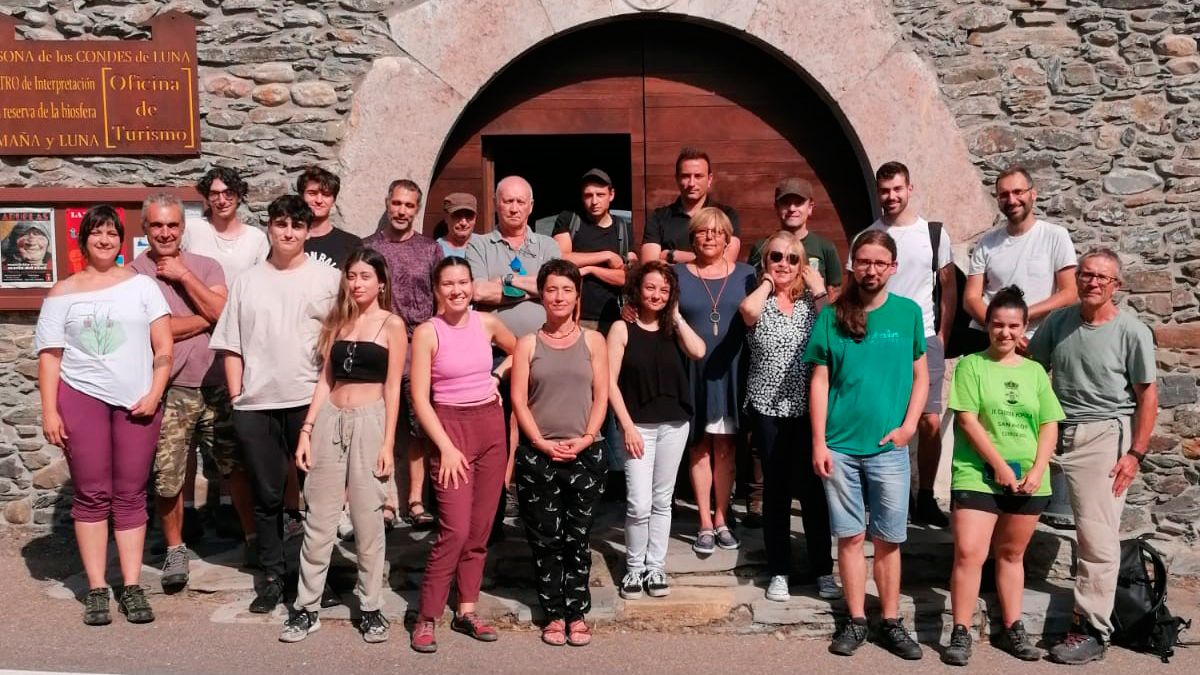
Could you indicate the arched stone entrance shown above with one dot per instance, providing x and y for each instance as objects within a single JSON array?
[{"x": 850, "y": 52}]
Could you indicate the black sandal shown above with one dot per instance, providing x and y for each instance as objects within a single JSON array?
[{"x": 418, "y": 521}]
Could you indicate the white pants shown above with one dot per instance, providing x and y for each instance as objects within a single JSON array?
[{"x": 649, "y": 485}]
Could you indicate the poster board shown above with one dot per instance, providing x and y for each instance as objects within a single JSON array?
[{"x": 60, "y": 210}]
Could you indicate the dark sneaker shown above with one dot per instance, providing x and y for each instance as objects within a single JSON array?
[
  {"x": 299, "y": 625},
  {"x": 422, "y": 638},
  {"x": 1077, "y": 649},
  {"x": 134, "y": 606},
  {"x": 175, "y": 569},
  {"x": 95, "y": 608},
  {"x": 705, "y": 542},
  {"x": 894, "y": 638},
  {"x": 330, "y": 598},
  {"x": 193, "y": 526},
  {"x": 726, "y": 540},
  {"x": 657, "y": 584},
  {"x": 753, "y": 519},
  {"x": 631, "y": 586},
  {"x": 373, "y": 626},
  {"x": 849, "y": 637},
  {"x": 959, "y": 651},
  {"x": 927, "y": 512},
  {"x": 270, "y": 596},
  {"x": 471, "y": 625},
  {"x": 1015, "y": 641}
]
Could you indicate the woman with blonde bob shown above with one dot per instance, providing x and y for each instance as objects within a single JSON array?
[{"x": 779, "y": 316}]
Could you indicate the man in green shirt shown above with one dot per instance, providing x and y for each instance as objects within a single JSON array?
[
  {"x": 1102, "y": 367},
  {"x": 794, "y": 206},
  {"x": 868, "y": 387}
]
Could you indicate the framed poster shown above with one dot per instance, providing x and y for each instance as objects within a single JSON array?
[{"x": 27, "y": 246}]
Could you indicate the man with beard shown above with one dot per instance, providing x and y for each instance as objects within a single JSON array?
[
  {"x": 460, "y": 209},
  {"x": 326, "y": 244},
  {"x": 196, "y": 406},
  {"x": 1027, "y": 252},
  {"x": 411, "y": 257}
]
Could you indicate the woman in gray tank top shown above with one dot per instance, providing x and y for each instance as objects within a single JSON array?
[{"x": 560, "y": 397}]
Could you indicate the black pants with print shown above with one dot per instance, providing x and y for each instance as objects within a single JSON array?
[
  {"x": 785, "y": 445},
  {"x": 558, "y": 501}
]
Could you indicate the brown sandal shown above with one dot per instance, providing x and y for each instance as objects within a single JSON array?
[
  {"x": 389, "y": 516},
  {"x": 555, "y": 633},
  {"x": 418, "y": 521},
  {"x": 578, "y": 634}
]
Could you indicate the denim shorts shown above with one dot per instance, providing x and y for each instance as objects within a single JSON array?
[{"x": 877, "y": 484}]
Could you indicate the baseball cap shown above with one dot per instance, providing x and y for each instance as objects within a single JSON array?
[
  {"x": 596, "y": 176},
  {"x": 793, "y": 186},
  {"x": 460, "y": 201}
]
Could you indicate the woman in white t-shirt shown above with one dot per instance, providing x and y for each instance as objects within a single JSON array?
[{"x": 104, "y": 357}]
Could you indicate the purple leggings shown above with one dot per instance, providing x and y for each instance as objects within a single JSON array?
[{"x": 110, "y": 454}]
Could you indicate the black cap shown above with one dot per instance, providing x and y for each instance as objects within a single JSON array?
[{"x": 596, "y": 176}]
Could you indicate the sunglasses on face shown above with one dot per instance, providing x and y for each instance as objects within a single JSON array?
[{"x": 777, "y": 256}]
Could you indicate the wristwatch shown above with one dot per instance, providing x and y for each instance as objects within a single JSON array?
[
  {"x": 1140, "y": 456},
  {"x": 507, "y": 280},
  {"x": 671, "y": 257}
]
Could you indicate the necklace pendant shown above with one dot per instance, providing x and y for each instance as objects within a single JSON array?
[{"x": 715, "y": 318}]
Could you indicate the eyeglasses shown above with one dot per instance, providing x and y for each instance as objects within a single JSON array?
[
  {"x": 777, "y": 256},
  {"x": 218, "y": 194},
  {"x": 710, "y": 233},
  {"x": 348, "y": 362},
  {"x": 1089, "y": 277},
  {"x": 1018, "y": 193},
  {"x": 863, "y": 265}
]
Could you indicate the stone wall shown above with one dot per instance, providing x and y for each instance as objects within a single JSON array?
[{"x": 1100, "y": 98}]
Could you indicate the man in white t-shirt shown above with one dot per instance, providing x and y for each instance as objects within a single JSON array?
[
  {"x": 268, "y": 332},
  {"x": 914, "y": 279},
  {"x": 223, "y": 236},
  {"x": 1030, "y": 253}
]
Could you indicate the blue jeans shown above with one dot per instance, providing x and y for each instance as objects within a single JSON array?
[{"x": 874, "y": 483}]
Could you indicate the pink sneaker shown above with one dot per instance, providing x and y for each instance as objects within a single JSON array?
[{"x": 422, "y": 638}]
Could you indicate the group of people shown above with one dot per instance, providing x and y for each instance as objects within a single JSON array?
[{"x": 514, "y": 362}]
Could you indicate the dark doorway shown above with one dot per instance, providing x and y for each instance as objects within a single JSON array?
[{"x": 553, "y": 165}]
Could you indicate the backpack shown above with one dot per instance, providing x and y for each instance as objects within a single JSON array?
[
  {"x": 957, "y": 342},
  {"x": 1140, "y": 618},
  {"x": 623, "y": 235}
]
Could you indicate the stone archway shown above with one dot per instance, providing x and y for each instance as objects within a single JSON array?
[{"x": 852, "y": 52}]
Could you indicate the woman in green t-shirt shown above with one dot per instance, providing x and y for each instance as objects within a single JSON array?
[{"x": 1006, "y": 427}]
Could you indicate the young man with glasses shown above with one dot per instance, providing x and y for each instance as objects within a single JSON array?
[{"x": 1027, "y": 252}]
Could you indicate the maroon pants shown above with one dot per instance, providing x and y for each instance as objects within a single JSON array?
[
  {"x": 465, "y": 513},
  {"x": 110, "y": 453}
]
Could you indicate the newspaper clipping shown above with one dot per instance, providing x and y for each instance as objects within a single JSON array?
[{"x": 27, "y": 247}]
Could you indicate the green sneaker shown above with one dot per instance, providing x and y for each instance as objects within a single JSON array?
[
  {"x": 95, "y": 608},
  {"x": 134, "y": 606}
]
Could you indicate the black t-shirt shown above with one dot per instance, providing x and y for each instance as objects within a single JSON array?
[
  {"x": 332, "y": 249},
  {"x": 667, "y": 226},
  {"x": 598, "y": 299}
]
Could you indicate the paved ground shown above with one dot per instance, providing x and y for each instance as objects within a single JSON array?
[{"x": 41, "y": 633}]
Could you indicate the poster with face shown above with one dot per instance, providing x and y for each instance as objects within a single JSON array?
[{"x": 27, "y": 247}]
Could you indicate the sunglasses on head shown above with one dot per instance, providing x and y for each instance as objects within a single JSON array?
[{"x": 777, "y": 256}]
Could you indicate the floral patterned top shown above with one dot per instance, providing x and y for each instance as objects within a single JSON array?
[{"x": 777, "y": 385}]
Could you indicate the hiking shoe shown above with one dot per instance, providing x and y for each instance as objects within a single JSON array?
[
  {"x": 777, "y": 590},
  {"x": 959, "y": 651},
  {"x": 894, "y": 638},
  {"x": 134, "y": 606},
  {"x": 471, "y": 625},
  {"x": 631, "y": 586},
  {"x": 299, "y": 625},
  {"x": 1015, "y": 641},
  {"x": 657, "y": 584},
  {"x": 849, "y": 637},
  {"x": 726, "y": 540},
  {"x": 926, "y": 511},
  {"x": 193, "y": 526},
  {"x": 422, "y": 638},
  {"x": 373, "y": 626},
  {"x": 1077, "y": 649},
  {"x": 175, "y": 569},
  {"x": 827, "y": 588},
  {"x": 706, "y": 542},
  {"x": 270, "y": 595},
  {"x": 95, "y": 608}
]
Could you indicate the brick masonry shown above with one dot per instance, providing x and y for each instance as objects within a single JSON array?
[{"x": 1100, "y": 98}]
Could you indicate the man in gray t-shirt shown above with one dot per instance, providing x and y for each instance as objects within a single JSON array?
[{"x": 1102, "y": 366}]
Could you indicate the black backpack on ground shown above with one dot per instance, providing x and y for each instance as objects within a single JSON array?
[
  {"x": 1141, "y": 620},
  {"x": 958, "y": 337}
]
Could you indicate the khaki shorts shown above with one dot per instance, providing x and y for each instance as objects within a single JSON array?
[{"x": 194, "y": 417}]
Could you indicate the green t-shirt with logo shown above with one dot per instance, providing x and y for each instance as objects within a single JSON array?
[
  {"x": 1012, "y": 402},
  {"x": 870, "y": 381}
]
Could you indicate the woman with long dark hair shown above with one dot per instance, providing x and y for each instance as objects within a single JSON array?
[
  {"x": 104, "y": 358},
  {"x": 649, "y": 393},
  {"x": 1006, "y": 426},
  {"x": 457, "y": 402},
  {"x": 560, "y": 397},
  {"x": 346, "y": 441}
]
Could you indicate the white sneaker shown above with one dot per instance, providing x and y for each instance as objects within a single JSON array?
[
  {"x": 345, "y": 528},
  {"x": 827, "y": 587},
  {"x": 777, "y": 590}
]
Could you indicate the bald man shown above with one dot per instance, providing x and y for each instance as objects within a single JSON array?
[{"x": 505, "y": 261}]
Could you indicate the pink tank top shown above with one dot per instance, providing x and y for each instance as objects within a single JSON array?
[{"x": 462, "y": 367}]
